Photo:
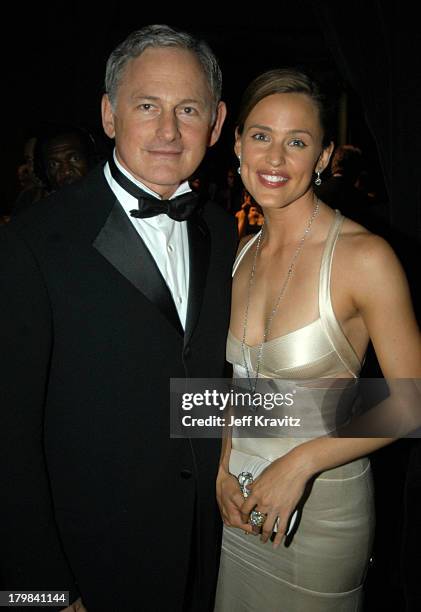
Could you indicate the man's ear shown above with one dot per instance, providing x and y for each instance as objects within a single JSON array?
[
  {"x": 107, "y": 116},
  {"x": 221, "y": 113}
]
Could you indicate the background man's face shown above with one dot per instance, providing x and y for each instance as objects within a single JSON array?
[
  {"x": 162, "y": 118},
  {"x": 25, "y": 172},
  {"x": 65, "y": 160},
  {"x": 230, "y": 178}
]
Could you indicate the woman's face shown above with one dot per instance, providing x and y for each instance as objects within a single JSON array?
[{"x": 280, "y": 148}]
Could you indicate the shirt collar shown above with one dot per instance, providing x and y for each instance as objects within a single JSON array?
[{"x": 182, "y": 188}]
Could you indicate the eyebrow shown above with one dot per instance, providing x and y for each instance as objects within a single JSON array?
[
  {"x": 192, "y": 101},
  {"x": 257, "y": 126},
  {"x": 59, "y": 155},
  {"x": 140, "y": 96},
  {"x": 143, "y": 96}
]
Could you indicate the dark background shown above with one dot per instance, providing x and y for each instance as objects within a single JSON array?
[
  {"x": 368, "y": 55},
  {"x": 55, "y": 69}
]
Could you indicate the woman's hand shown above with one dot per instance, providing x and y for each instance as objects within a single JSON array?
[
  {"x": 230, "y": 500},
  {"x": 276, "y": 493}
]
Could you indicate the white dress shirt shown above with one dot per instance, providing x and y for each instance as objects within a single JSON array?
[{"x": 166, "y": 239}]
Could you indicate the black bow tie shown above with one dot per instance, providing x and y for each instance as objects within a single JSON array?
[{"x": 179, "y": 208}]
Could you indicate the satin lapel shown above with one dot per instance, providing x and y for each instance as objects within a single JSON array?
[
  {"x": 122, "y": 246},
  {"x": 199, "y": 251}
]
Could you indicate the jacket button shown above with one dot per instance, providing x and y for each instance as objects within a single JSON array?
[
  {"x": 187, "y": 351},
  {"x": 186, "y": 474}
]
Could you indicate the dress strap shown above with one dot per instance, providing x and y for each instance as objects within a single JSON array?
[
  {"x": 329, "y": 321},
  {"x": 243, "y": 251}
]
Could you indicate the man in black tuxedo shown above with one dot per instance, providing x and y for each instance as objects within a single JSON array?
[{"x": 104, "y": 299}]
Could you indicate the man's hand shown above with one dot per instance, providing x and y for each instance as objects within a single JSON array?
[{"x": 76, "y": 606}]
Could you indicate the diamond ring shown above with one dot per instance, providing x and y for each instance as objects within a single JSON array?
[
  {"x": 245, "y": 479},
  {"x": 257, "y": 518}
]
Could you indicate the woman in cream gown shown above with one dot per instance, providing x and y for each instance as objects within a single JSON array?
[{"x": 309, "y": 292}]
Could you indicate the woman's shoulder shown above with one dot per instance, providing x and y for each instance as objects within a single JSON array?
[
  {"x": 365, "y": 251},
  {"x": 362, "y": 240}
]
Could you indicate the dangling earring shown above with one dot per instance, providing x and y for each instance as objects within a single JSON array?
[
  {"x": 239, "y": 167},
  {"x": 318, "y": 180}
]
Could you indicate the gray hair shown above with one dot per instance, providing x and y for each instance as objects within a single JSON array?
[{"x": 161, "y": 36}]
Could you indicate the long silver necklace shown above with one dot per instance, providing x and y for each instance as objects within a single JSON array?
[{"x": 281, "y": 294}]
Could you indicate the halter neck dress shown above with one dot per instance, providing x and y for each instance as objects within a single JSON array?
[{"x": 321, "y": 566}]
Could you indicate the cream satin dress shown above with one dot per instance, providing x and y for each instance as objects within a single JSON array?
[{"x": 321, "y": 567}]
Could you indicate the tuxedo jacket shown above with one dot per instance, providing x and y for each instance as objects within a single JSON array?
[{"x": 97, "y": 499}]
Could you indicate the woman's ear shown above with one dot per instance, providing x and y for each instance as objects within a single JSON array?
[
  {"x": 237, "y": 145},
  {"x": 324, "y": 157}
]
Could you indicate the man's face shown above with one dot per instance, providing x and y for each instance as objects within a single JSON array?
[
  {"x": 28, "y": 153},
  {"x": 230, "y": 178},
  {"x": 162, "y": 118},
  {"x": 254, "y": 215},
  {"x": 65, "y": 160},
  {"x": 25, "y": 172}
]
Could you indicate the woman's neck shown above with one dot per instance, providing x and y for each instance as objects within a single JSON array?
[{"x": 284, "y": 226}]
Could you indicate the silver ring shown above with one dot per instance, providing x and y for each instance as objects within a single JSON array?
[
  {"x": 257, "y": 518},
  {"x": 244, "y": 480}
]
